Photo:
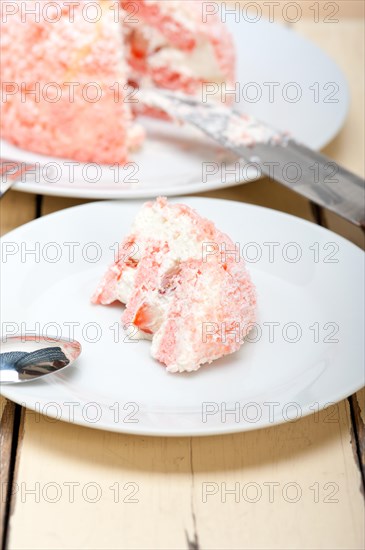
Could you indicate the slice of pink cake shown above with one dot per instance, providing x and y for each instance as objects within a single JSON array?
[
  {"x": 182, "y": 286},
  {"x": 82, "y": 115}
]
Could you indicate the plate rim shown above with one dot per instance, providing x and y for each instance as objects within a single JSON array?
[
  {"x": 176, "y": 198},
  {"x": 214, "y": 431}
]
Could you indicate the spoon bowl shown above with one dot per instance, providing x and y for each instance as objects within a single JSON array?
[{"x": 25, "y": 358}]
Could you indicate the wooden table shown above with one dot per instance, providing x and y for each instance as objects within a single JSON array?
[{"x": 323, "y": 455}]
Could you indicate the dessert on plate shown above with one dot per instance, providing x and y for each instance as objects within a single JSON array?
[
  {"x": 66, "y": 77},
  {"x": 184, "y": 286}
]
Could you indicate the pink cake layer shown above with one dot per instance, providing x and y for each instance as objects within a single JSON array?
[
  {"x": 63, "y": 52},
  {"x": 184, "y": 34}
]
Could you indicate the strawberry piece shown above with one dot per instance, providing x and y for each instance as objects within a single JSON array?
[{"x": 143, "y": 319}]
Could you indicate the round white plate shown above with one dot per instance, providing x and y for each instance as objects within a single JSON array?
[
  {"x": 274, "y": 64},
  {"x": 305, "y": 353}
]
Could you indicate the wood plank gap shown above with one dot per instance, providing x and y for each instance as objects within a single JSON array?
[
  {"x": 318, "y": 214},
  {"x": 193, "y": 543},
  {"x": 38, "y": 206},
  {"x": 358, "y": 436},
  {"x": 6, "y": 434},
  {"x": 357, "y": 425},
  {"x": 14, "y": 435}
]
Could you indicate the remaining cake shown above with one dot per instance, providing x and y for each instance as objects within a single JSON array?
[
  {"x": 65, "y": 77},
  {"x": 61, "y": 119},
  {"x": 182, "y": 286},
  {"x": 173, "y": 47}
]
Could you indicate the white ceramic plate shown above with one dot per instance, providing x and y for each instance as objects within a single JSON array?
[
  {"x": 170, "y": 163},
  {"x": 314, "y": 356}
]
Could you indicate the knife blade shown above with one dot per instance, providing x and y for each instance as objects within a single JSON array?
[{"x": 275, "y": 154}]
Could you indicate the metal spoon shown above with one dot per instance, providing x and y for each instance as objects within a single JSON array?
[{"x": 24, "y": 358}]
